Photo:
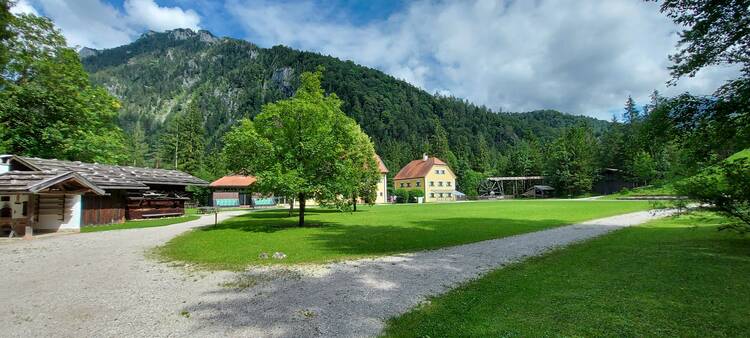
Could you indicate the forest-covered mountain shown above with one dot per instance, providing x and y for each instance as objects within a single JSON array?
[{"x": 161, "y": 76}]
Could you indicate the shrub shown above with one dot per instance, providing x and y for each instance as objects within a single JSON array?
[
  {"x": 724, "y": 187},
  {"x": 402, "y": 195},
  {"x": 414, "y": 193}
]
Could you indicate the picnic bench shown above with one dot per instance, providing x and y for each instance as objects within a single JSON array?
[
  {"x": 207, "y": 210},
  {"x": 162, "y": 215}
]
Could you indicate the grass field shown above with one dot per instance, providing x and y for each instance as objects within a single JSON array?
[
  {"x": 676, "y": 277},
  {"x": 377, "y": 230},
  {"x": 650, "y": 190},
  {"x": 141, "y": 223}
]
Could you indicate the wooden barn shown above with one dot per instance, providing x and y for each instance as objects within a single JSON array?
[{"x": 55, "y": 194}]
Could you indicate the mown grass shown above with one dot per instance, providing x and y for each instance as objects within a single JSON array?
[
  {"x": 134, "y": 224},
  {"x": 377, "y": 230},
  {"x": 677, "y": 277},
  {"x": 665, "y": 189}
]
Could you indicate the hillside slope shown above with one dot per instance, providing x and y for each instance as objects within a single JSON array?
[{"x": 159, "y": 74}]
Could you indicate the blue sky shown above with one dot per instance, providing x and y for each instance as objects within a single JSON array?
[{"x": 581, "y": 57}]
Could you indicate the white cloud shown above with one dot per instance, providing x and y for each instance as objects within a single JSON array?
[
  {"x": 150, "y": 15},
  {"x": 93, "y": 23},
  {"x": 23, "y": 7},
  {"x": 575, "y": 56}
]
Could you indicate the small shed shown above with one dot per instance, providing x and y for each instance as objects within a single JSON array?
[
  {"x": 539, "y": 191},
  {"x": 232, "y": 191},
  {"x": 610, "y": 181}
]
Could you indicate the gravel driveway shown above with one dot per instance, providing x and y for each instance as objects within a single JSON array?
[{"x": 101, "y": 284}]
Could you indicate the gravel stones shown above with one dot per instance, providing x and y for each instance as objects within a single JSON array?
[{"x": 102, "y": 284}]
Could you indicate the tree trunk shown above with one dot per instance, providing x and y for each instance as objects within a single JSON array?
[
  {"x": 354, "y": 202},
  {"x": 301, "y": 209},
  {"x": 291, "y": 206}
]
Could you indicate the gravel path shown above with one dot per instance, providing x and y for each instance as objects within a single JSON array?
[{"x": 101, "y": 285}]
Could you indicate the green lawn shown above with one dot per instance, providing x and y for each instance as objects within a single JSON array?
[
  {"x": 141, "y": 223},
  {"x": 677, "y": 277},
  {"x": 666, "y": 189},
  {"x": 376, "y": 230}
]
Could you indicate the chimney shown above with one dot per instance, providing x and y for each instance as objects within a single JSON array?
[
  {"x": 5, "y": 163},
  {"x": 425, "y": 157}
]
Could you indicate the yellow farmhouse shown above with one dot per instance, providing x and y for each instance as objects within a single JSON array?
[{"x": 431, "y": 175}]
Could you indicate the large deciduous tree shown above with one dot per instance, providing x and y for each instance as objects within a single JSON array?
[
  {"x": 716, "y": 32},
  {"x": 305, "y": 147},
  {"x": 5, "y": 32},
  {"x": 48, "y": 107}
]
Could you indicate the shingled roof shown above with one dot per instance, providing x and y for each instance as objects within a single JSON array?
[
  {"x": 233, "y": 181},
  {"x": 111, "y": 176},
  {"x": 381, "y": 166},
  {"x": 418, "y": 168},
  {"x": 36, "y": 181}
]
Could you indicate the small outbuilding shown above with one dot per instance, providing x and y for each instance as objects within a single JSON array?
[
  {"x": 610, "y": 181},
  {"x": 232, "y": 191},
  {"x": 539, "y": 191}
]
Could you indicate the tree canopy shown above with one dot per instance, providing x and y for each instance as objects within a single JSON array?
[
  {"x": 305, "y": 147},
  {"x": 48, "y": 107},
  {"x": 717, "y": 32}
]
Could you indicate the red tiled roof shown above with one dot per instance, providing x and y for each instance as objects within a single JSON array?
[
  {"x": 381, "y": 165},
  {"x": 235, "y": 181},
  {"x": 418, "y": 168}
]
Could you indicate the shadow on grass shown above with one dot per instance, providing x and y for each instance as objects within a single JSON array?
[
  {"x": 358, "y": 240},
  {"x": 275, "y": 220},
  {"x": 539, "y": 297},
  {"x": 340, "y": 238}
]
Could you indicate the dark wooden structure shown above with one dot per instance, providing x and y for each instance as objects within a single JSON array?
[
  {"x": 507, "y": 186},
  {"x": 611, "y": 181},
  {"x": 539, "y": 191},
  {"x": 129, "y": 192}
]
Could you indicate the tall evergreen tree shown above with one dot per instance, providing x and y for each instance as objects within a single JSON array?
[
  {"x": 631, "y": 114},
  {"x": 136, "y": 146},
  {"x": 184, "y": 142},
  {"x": 571, "y": 166}
]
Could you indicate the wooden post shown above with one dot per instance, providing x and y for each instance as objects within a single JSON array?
[{"x": 216, "y": 216}]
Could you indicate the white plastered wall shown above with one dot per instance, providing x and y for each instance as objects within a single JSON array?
[{"x": 59, "y": 212}]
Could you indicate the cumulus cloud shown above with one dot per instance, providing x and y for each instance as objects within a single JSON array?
[
  {"x": 93, "y": 23},
  {"x": 581, "y": 56},
  {"x": 150, "y": 15},
  {"x": 575, "y": 56},
  {"x": 23, "y": 7}
]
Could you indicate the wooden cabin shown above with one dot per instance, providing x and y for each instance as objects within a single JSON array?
[{"x": 85, "y": 194}]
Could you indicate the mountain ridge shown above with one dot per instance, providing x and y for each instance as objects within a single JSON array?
[{"x": 159, "y": 74}]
